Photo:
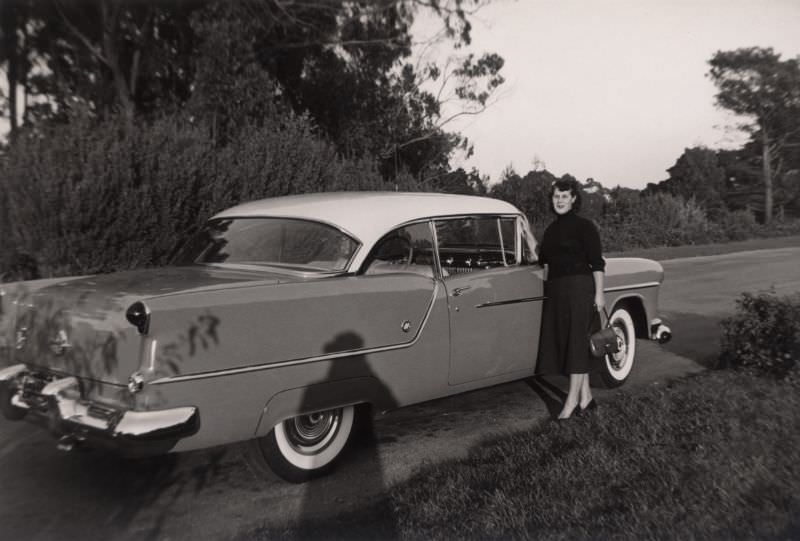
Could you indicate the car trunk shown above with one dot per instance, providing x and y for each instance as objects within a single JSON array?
[{"x": 79, "y": 327}]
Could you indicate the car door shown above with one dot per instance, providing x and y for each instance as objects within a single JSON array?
[{"x": 494, "y": 299}]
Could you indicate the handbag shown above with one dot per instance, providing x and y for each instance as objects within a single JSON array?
[{"x": 604, "y": 342}]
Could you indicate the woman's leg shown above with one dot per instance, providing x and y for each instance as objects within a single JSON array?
[
  {"x": 586, "y": 392},
  {"x": 573, "y": 395}
]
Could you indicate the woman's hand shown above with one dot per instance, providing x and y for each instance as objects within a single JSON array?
[
  {"x": 599, "y": 294},
  {"x": 600, "y": 301}
]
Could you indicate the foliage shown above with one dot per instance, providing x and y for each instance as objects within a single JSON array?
[
  {"x": 763, "y": 337},
  {"x": 87, "y": 197},
  {"x": 755, "y": 83},
  {"x": 696, "y": 174},
  {"x": 660, "y": 219},
  {"x": 343, "y": 63},
  {"x": 735, "y": 225},
  {"x": 458, "y": 181},
  {"x": 530, "y": 194}
]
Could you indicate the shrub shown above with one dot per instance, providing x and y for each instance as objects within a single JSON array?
[
  {"x": 95, "y": 197},
  {"x": 763, "y": 337},
  {"x": 736, "y": 225},
  {"x": 780, "y": 228},
  {"x": 654, "y": 220}
]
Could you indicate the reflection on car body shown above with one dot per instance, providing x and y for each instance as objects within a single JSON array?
[{"x": 284, "y": 320}]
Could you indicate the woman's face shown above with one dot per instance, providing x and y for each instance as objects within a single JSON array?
[{"x": 563, "y": 201}]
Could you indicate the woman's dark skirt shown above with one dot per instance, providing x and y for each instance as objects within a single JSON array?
[{"x": 568, "y": 317}]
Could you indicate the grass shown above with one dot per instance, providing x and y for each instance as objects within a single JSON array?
[
  {"x": 695, "y": 250},
  {"x": 714, "y": 456}
]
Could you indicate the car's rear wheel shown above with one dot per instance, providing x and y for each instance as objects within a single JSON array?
[
  {"x": 617, "y": 367},
  {"x": 303, "y": 447}
]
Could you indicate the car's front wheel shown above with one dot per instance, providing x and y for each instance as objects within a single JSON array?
[
  {"x": 617, "y": 367},
  {"x": 303, "y": 447}
]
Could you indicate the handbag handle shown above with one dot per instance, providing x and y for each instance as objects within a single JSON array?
[{"x": 608, "y": 318}]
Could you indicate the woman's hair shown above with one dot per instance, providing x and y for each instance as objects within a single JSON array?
[{"x": 564, "y": 184}]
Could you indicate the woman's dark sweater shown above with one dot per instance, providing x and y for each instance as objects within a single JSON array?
[{"x": 571, "y": 245}]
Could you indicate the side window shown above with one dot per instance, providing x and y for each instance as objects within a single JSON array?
[
  {"x": 475, "y": 243},
  {"x": 406, "y": 249}
]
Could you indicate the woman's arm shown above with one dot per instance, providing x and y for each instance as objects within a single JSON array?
[{"x": 599, "y": 294}]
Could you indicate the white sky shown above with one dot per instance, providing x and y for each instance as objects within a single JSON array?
[{"x": 612, "y": 89}]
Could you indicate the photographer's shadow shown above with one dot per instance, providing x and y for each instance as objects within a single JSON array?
[{"x": 359, "y": 474}]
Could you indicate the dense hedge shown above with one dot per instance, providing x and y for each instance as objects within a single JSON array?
[
  {"x": 85, "y": 198},
  {"x": 654, "y": 220},
  {"x": 763, "y": 337}
]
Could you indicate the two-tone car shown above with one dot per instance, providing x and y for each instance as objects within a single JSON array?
[{"x": 283, "y": 320}]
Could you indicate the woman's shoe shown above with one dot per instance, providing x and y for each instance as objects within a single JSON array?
[{"x": 591, "y": 406}]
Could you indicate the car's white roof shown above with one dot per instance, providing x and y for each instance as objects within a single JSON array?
[{"x": 367, "y": 216}]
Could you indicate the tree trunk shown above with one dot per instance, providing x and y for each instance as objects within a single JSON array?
[
  {"x": 111, "y": 16},
  {"x": 767, "y": 170},
  {"x": 9, "y": 15}
]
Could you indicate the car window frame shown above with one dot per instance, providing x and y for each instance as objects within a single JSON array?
[
  {"x": 518, "y": 239},
  {"x": 368, "y": 259}
]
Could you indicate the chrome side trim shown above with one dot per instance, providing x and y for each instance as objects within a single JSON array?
[
  {"x": 632, "y": 286},
  {"x": 306, "y": 360},
  {"x": 513, "y": 301},
  {"x": 543, "y": 297}
]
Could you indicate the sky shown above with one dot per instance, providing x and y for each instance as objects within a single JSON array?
[{"x": 614, "y": 90}]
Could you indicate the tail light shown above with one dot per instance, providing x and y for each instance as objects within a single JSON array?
[{"x": 139, "y": 316}]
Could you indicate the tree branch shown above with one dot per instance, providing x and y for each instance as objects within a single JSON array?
[{"x": 80, "y": 35}]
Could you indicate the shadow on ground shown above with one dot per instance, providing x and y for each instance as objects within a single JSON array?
[{"x": 87, "y": 485}]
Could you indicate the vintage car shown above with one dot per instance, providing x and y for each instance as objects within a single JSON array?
[{"x": 284, "y": 319}]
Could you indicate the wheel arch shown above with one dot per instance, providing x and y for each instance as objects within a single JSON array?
[
  {"x": 634, "y": 304},
  {"x": 323, "y": 396}
]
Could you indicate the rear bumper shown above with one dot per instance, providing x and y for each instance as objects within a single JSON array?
[{"x": 59, "y": 406}]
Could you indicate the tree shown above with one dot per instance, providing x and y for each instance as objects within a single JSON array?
[
  {"x": 755, "y": 83},
  {"x": 530, "y": 194},
  {"x": 347, "y": 64},
  {"x": 696, "y": 174},
  {"x": 459, "y": 181},
  {"x": 344, "y": 63}
]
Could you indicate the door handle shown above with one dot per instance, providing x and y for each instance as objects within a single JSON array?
[{"x": 459, "y": 290}]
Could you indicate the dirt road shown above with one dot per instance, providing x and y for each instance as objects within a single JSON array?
[{"x": 46, "y": 494}]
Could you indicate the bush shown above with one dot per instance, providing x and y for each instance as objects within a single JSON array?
[
  {"x": 736, "y": 225},
  {"x": 780, "y": 228},
  {"x": 763, "y": 337},
  {"x": 654, "y": 220},
  {"x": 97, "y": 197}
]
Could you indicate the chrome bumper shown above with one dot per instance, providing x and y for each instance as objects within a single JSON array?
[{"x": 58, "y": 403}]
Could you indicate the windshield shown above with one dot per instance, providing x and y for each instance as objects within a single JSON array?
[{"x": 284, "y": 242}]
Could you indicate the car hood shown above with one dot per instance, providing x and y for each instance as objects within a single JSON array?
[{"x": 77, "y": 326}]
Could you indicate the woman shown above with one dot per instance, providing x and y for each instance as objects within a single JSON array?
[{"x": 572, "y": 250}]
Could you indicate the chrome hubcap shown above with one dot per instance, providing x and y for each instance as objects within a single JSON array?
[
  {"x": 310, "y": 433},
  {"x": 619, "y": 358}
]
